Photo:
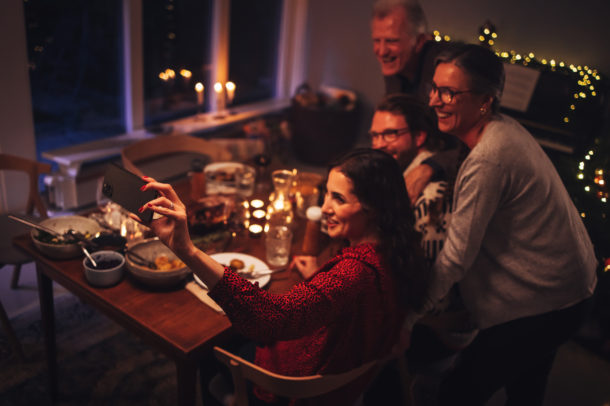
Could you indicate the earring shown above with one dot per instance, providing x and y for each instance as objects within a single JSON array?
[{"x": 483, "y": 110}]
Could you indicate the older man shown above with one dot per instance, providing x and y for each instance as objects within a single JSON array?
[{"x": 406, "y": 55}]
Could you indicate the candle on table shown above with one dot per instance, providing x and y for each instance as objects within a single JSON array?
[
  {"x": 255, "y": 230},
  {"x": 259, "y": 214},
  {"x": 257, "y": 204},
  {"x": 230, "y": 86}
]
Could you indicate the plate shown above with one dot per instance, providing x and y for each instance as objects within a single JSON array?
[
  {"x": 229, "y": 178},
  {"x": 226, "y": 257}
]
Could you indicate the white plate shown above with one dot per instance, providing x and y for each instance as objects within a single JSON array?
[
  {"x": 226, "y": 257},
  {"x": 224, "y": 187}
]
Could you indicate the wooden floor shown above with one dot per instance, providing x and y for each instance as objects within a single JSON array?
[{"x": 579, "y": 377}]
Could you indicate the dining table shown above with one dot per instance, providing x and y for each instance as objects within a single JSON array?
[{"x": 172, "y": 320}]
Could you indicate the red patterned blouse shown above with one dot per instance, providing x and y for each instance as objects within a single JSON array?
[{"x": 347, "y": 314}]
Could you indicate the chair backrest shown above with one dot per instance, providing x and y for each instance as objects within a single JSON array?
[
  {"x": 216, "y": 150},
  {"x": 33, "y": 169},
  {"x": 281, "y": 385}
]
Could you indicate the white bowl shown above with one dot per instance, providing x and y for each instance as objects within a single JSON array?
[
  {"x": 103, "y": 276},
  {"x": 150, "y": 249},
  {"x": 62, "y": 224}
]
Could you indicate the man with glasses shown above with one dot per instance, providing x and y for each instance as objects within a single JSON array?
[{"x": 406, "y": 129}]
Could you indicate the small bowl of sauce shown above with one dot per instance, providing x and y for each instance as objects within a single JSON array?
[{"x": 109, "y": 269}]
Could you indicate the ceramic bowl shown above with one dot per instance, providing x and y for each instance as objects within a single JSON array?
[
  {"x": 62, "y": 224},
  {"x": 150, "y": 250},
  {"x": 109, "y": 269}
]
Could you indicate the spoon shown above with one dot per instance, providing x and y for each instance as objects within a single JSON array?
[
  {"x": 37, "y": 226},
  {"x": 88, "y": 255},
  {"x": 143, "y": 261}
]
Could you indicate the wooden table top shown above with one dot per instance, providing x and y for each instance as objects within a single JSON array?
[{"x": 174, "y": 319}]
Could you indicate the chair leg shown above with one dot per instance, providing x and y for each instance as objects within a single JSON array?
[
  {"x": 12, "y": 337},
  {"x": 15, "y": 277},
  {"x": 406, "y": 379}
]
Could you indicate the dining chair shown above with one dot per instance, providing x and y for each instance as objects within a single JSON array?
[
  {"x": 135, "y": 155},
  {"x": 287, "y": 386},
  {"x": 9, "y": 255}
]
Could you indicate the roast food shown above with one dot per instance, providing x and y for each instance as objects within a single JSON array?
[
  {"x": 210, "y": 213},
  {"x": 163, "y": 263}
]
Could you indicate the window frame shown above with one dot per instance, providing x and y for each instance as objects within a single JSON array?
[{"x": 290, "y": 61}]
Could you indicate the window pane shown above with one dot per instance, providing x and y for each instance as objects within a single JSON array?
[
  {"x": 176, "y": 38},
  {"x": 254, "y": 39},
  {"x": 75, "y": 61}
]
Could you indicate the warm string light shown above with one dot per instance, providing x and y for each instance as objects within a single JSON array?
[
  {"x": 599, "y": 186},
  {"x": 584, "y": 81}
]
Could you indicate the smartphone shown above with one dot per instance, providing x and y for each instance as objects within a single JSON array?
[{"x": 123, "y": 188}]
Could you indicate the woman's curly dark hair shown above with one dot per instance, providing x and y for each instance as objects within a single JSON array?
[{"x": 379, "y": 186}]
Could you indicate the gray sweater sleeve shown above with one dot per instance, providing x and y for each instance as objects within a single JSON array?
[{"x": 478, "y": 195}]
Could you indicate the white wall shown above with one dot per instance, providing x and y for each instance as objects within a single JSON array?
[
  {"x": 16, "y": 124},
  {"x": 340, "y": 49}
]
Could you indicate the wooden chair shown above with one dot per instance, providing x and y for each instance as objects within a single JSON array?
[
  {"x": 9, "y": 255},
  {"x": 286, "y": 386},
  {"x": 214, "y": 149}
]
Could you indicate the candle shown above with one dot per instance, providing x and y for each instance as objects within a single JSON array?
[
  {"x": 230, "y": 86},
  {"x": 220, "y": 99},
  {"x": 257, "y": 204},
  {"x": 199, "y": 89},
  {"x": 259, "y": 214},
  {"x": 255, "y": 230}
]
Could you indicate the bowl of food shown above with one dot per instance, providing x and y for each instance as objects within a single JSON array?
[
  {"x": 108, "y": 270},
  {"x": 152, "y": 263},
  {"x": 73, "y": 230}
]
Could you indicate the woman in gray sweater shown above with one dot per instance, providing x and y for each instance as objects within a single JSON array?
[{"x": 516, "y": 245}]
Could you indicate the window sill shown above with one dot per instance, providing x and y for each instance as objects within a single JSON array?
[
  {"x": 210, "y": 121},
  {"x": 70, "y": 159}
]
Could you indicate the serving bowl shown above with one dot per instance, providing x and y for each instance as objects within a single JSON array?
[
  {"x": 109, "y": 270},
  {"x": 150, "y": 250},
  {"x": 58, "y": 250}
]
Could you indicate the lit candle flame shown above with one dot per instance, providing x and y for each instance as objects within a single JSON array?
[
  {"x": 199, "y": 89},
  {"x": 230, "y": 86}
]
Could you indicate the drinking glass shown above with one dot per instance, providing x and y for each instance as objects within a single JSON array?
[{"x": 277, "y": 244}]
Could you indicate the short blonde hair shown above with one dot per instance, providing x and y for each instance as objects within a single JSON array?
[{"x": 415, "y": 13}]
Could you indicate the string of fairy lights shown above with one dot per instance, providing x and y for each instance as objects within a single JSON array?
[{"x": 586, "y": 81}]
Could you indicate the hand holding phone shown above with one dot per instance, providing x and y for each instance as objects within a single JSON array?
[{"x": 123, "y": 188}]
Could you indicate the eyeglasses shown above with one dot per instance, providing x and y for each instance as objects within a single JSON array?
[
  {"x": 389, "y": 135},
  {"x": 446, "y": 94}
]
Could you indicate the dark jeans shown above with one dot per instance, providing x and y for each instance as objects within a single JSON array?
[{"x": 517, "y": 355}]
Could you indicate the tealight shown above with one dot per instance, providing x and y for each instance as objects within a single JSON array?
[
  {"x": 258, "y": 214},
  {"x": 257, "y": 204},
  {"x": 255, "y": 230}
]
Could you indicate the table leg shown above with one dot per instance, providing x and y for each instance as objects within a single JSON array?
[
  {"x": 186, "y": 371},
  {"x": 47, "y": 313}
]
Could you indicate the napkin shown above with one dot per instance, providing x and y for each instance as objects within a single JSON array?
[{"x": 202, "y": 294}]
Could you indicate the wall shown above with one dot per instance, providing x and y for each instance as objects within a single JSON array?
[
  {"x": 339, "y": 51},
  {"x": 16, "y": 124}
]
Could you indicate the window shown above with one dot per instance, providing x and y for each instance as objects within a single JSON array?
[
  {"x": 75, "y": 64},
  {"x": 253, "y": 49},
  {"x": 177, "y": 39},
  {"x": 83, "y": 88}
]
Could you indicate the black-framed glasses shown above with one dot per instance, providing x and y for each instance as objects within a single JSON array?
[
  {"x": 446, "y": 94},
  {"x": 389, "y": 135}
]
